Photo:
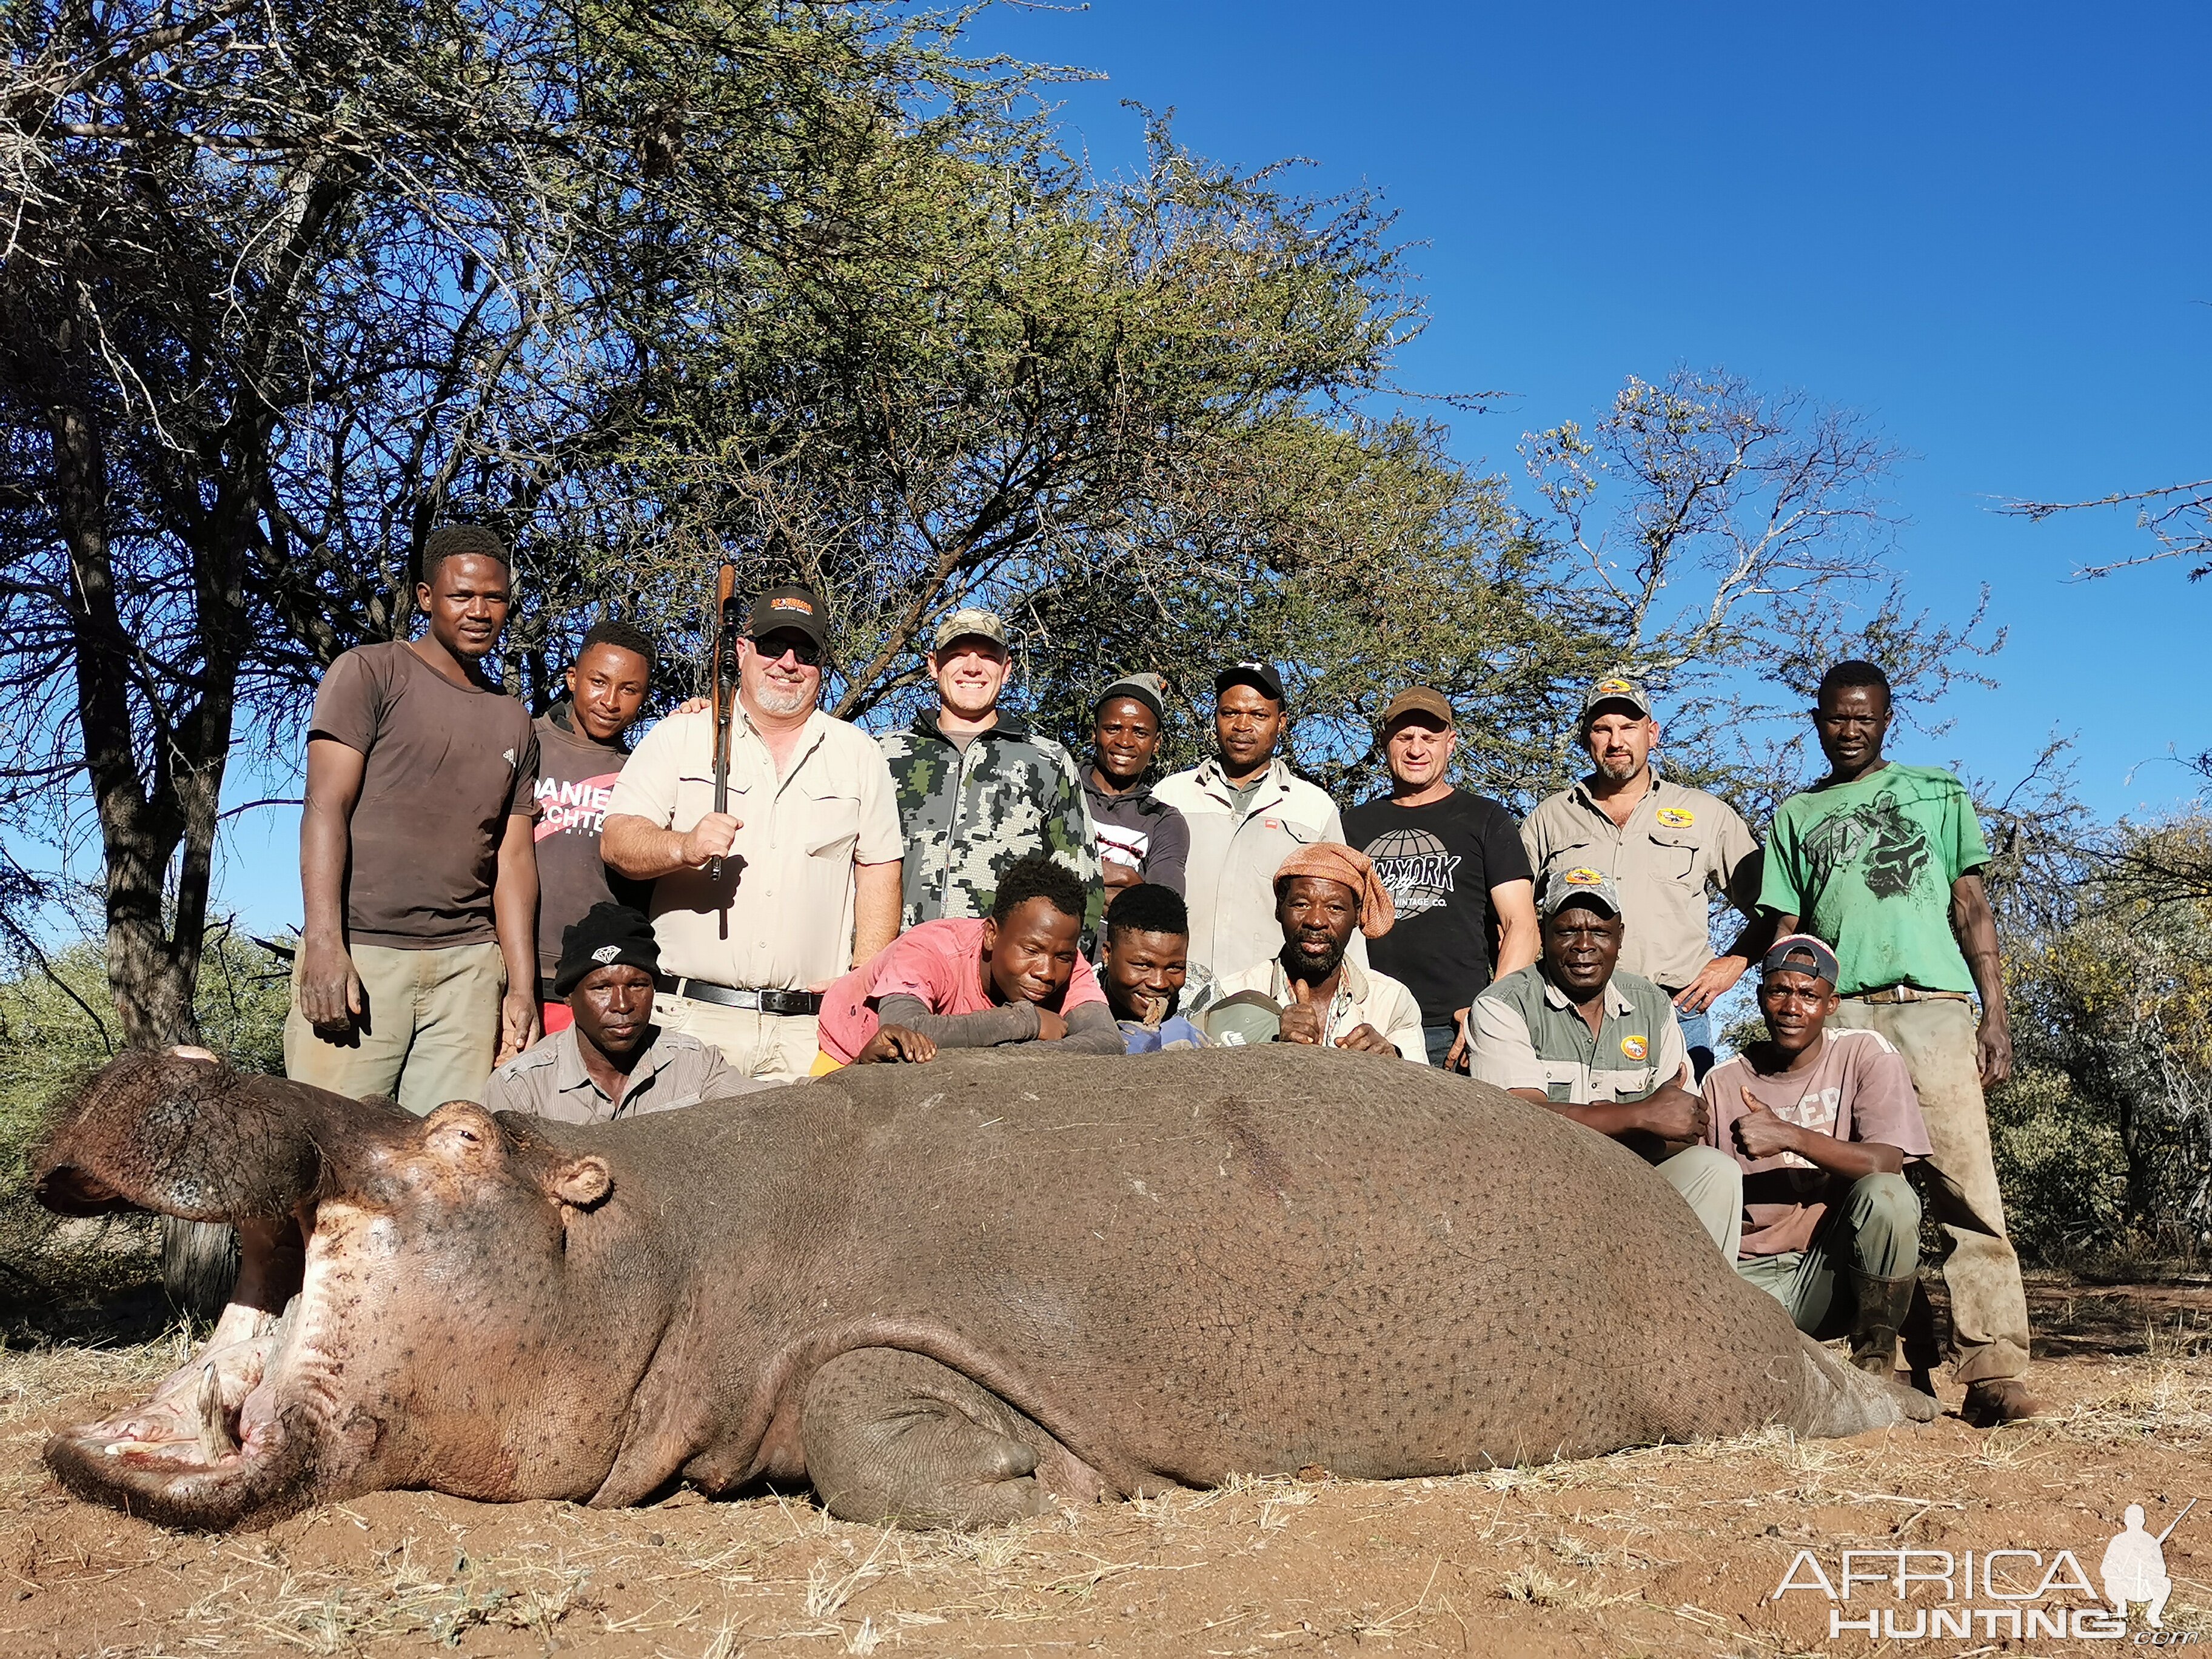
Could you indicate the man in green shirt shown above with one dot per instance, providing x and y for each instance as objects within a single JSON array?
[{"x": 1883, "y": 861}]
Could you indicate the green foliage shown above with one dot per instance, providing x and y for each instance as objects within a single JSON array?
[{"x": 2103, "y": 1139}]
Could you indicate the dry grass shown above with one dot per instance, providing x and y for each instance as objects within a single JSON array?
[
  {"x": 35, "y": 1381},
  {"x": 1618, "y": 1544}
]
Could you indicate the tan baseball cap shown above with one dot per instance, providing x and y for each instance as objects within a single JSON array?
[{"x": 1419, "y": 700}]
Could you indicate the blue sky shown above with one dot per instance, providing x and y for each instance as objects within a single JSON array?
[{"x": 1986, "y": 229}]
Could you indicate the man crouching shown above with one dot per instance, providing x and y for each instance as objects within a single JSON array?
[
  {"x": 1604, "y": 1048},
  {"x": 1823, "y": 1123}
]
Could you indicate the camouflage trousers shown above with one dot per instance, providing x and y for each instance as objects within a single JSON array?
[{"x": 1989, "y": 1305}]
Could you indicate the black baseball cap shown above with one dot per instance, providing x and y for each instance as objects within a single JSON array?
[
  {"x": 794, "y": 607},
  {"x": 1259, "y": 675}
]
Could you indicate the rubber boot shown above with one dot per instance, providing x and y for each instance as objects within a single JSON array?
[
  {"x": 1882, "y": 1304},
  {"x": 1923, "y": 1348}
]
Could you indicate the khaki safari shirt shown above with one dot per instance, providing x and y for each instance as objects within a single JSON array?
[
  {"x": 781, "y": 917},
  {"x": 1364, "y": 997},
  {"x": 1524, "y": 1034},
  {"x": 548, "y": 1080},
  {"x": 1676, "y": 841}
]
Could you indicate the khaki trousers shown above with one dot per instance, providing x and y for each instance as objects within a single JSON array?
[
  {"x": 428, "y": 1034},
  {"x": 1989, "y": 1305},
  {"x": 772, "y": 1047},
  {"x": 1875, "y": 1231},
  {"x": 1711, "y": 1183}
]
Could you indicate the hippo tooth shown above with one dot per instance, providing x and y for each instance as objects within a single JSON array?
[{"x": 217, "y": 1440}]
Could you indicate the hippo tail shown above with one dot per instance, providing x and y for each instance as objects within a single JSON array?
[{"x": 1839, "y": 1399}]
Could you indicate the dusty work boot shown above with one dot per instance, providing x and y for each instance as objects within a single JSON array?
[
  {"x": 1882, "y": 1303},
  {"x": 1999, "y": 1399}
]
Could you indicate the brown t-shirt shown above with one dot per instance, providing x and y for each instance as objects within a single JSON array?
[
  {"x": 1860, "y": 1090},
  {"x": 574, "y": 778},
  {"x": 446, "y": 765}
]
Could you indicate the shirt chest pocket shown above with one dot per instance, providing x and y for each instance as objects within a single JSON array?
[
  {"x": 1627, "y": 1083},
  {"x": 1274, "y": 824},
  {"x": 1561, "y": 1078},
  {"x": 1675, "y": 854},
  {"x": 832, "y": 822},
  {"x": 694, "y": 799}
]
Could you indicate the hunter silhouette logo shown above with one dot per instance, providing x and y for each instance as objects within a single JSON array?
[{"x": 2133, "y": 1567}]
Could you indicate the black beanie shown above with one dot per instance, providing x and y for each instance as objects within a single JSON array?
[{"x": 609, "y": 934}]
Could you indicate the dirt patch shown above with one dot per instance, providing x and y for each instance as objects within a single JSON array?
[{"x": 1665, "y": 1551}]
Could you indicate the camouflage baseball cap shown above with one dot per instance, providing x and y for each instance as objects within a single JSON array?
[
  {"x": 1246, "y": 1018},
  {"x": 1615, "y": 689},
  {"x": 969, "y": 620},
  {"x": 1581, "y": 884}
]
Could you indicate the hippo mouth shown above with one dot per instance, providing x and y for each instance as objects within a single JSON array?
[
  {"x": 250, "y": 1428},
  {"x": 229, "y": 1438}
]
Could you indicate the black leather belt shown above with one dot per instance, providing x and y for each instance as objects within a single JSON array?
[{"x": 732, "y": 996}]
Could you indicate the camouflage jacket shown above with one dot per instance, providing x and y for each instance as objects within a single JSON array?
[{"x": 967, "y": 817}]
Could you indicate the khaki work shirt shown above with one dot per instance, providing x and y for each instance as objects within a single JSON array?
[
  {"x": 1676, "y": 843},
  {"x": 1522, "y": 1033},
  {"x": 1229, "y": 877},
  {"x": 1364, "y": 997},
  {"x": 781, "y": 917},
  {"x": 548, "y": 1080}
]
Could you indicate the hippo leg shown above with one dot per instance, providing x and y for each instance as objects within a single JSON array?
[{"x": 893, "y": 1438}]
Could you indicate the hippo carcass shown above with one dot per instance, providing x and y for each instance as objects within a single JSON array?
[{"x": 943, "y": 1294}]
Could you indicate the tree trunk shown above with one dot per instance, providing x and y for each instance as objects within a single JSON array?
[{"x": 151, "y": 970}]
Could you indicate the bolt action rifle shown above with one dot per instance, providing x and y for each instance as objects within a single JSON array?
[{"x": 724, "y": 701}]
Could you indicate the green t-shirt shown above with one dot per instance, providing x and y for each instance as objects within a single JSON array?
[{"x": 1867, "y": 866}]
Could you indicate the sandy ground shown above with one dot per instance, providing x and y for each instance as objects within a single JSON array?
[{"x": 1672, "y": 1550}]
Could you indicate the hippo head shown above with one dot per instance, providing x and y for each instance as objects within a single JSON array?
[{"x": 397, "y": 1276}]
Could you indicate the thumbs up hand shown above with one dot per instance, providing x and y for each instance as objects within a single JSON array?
[{"x": 1301, "y": 1021}]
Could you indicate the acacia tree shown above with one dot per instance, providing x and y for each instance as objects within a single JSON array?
[
  {"x": 1728, "y": 545},
  {"x": 283, "y": 287}
]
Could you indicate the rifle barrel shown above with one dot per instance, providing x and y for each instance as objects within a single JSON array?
[
  {"x": 2177, "y": 1521},
  {"x": 726, "y": 582}
]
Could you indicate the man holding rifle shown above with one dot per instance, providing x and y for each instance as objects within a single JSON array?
[{"x": 771, "y": 835}]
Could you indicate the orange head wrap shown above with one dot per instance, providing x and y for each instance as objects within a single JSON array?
[{"x": 1333, "y": 861}]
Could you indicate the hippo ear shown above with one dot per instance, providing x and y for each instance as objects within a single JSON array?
[{"x": 581, "y": 1182}]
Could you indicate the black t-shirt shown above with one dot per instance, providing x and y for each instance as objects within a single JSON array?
[{"x": 1439, "y": 862}]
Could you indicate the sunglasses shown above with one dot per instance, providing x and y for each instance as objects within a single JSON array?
[{"x": 808, "y": 653}]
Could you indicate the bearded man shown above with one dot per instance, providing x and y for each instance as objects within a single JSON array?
[{"x": 809, "y": 848}]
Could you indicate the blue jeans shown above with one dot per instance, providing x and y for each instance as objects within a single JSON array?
[
  {"x": 1440, "y": 1039},
  {"x": 1697, "y": 1038}
]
